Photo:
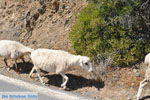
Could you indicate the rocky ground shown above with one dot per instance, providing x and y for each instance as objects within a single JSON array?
[
  {"x": 46, "y": 23},
  {"x": 39, "y": 23}
]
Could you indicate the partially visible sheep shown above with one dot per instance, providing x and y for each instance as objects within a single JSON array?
[
  {"x": 57, "y": 61},
  {"x": 13, "y": 50},
  {"x": 147, "y": 76}
]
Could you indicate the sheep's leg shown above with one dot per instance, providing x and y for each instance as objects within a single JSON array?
[
  {"x": 31, "y": 72},
  {"x": 142, "y": 85},
  {"x": 38, "y": 73},
  {"x": 17, "y": 69},
  {"x": 65, "y": 80},
  {"x": 14, "y": 56},
  {"x": 5, "y": 60},
  {"x": 16, "y": 64}
]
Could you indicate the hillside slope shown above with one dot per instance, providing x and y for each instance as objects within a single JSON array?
[{"x": 39, "y": 23}]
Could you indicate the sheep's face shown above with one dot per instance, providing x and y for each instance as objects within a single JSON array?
[{"x": 86, "y": 64}]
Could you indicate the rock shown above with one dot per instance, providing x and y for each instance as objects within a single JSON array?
[
  {"x": 55, "y": 6},
  {"x": 134, "y": 70},
  {"x": 34, "y": 42},
  {"x": 41, "y": 2},
  {"x": 42, "y": 9},
  {"x": 137, "y": 74},
  {"x": 11, "y": 5},
  {"x": 36, "y": 16},
  {"x": 50, "y": 15}
]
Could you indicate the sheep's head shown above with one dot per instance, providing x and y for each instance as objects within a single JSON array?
[{"x": 85, "y": 63}]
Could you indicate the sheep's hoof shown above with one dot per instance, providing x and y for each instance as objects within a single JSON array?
[
  {"x": 43, "y": 77},
  {"x": 137, "y": 98},
  {"x": 36, "y": 78},
  {"x": 46, "y": 84},
  {"x": 63, "y": 86},
  {"x": 30, "y": 77},
  {"x": 43, "y": 83}
]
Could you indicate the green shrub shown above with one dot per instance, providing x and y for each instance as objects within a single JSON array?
[{"x": 111, "y": 26}]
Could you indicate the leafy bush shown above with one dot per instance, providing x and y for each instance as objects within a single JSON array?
[{"x": 111, "y": 26}]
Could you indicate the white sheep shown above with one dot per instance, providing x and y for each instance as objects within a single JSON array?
[
  {"x": 57, "y": 61},
  {"x": 147, "y": 76},
  {"x": 13, "y": 50}
]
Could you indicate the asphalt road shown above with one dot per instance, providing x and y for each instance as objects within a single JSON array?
[{"x": 7, "y": 87}]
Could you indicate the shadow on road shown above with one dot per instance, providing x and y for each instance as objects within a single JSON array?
[
  {"x": 75, "y": 82},
  {"x": 24, "y": 67},
  {"x": 146, "y": 97}
]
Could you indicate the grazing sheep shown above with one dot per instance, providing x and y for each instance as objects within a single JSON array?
[
  {"x": 147, "y": 76},
  {"x": 13, "y": 50},
  {"x": 57, "y": 61}
]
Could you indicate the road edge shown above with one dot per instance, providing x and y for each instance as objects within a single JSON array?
[{"x": 60, "y": 95}]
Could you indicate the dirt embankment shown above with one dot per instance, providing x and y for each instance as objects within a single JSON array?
[{"x": 39, "y": 23}]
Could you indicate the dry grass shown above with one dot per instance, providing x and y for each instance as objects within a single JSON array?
[{"x": 102, "y": 63}]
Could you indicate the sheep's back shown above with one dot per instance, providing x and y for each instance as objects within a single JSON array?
[
  {"x": 48, "y": 60},
  {"x": 8, "y": 47}
]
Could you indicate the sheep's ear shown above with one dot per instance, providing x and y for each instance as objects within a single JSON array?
[
  {"x": 79, "y": 58},
  {"x": 81, "y": 62}
]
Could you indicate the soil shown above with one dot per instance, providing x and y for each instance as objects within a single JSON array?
[{"x": 46, "y": 24}]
